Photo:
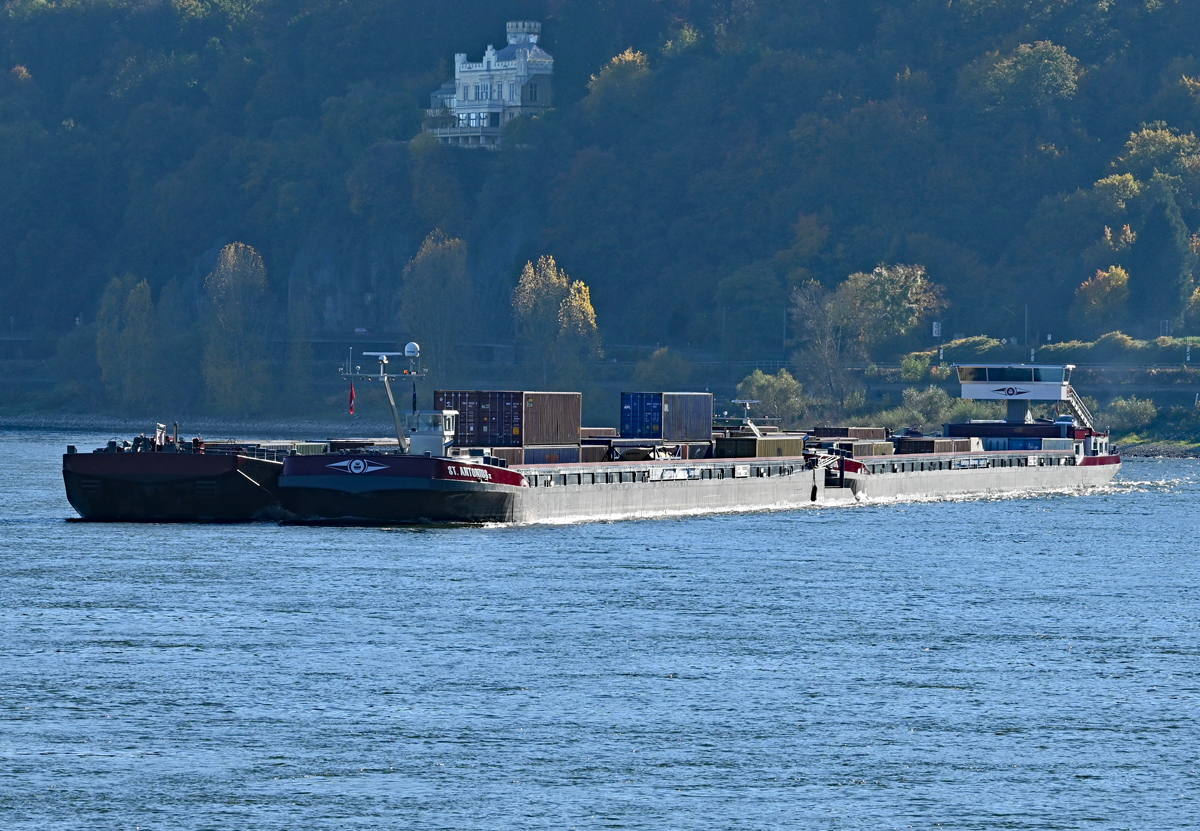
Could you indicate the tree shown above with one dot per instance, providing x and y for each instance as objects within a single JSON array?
[
  {"x": 437, "y": 297},
  {"x": 828, "y": 343},
  {"x": 554, "y": 318},
  {"x": 663, "y": 370},
  {"x": 779, "y": 396},
  {"x": 887, "y": 302},
  {"x": 1101, "y": 302},
  {"x": 1033, "y": 76},
  {"x": 235, "y": 368},
  {"x": 753, "y": 313},
  {"x": 577, "y": 330},
  {"x": 536, "y": 302},
  {"x": 616, "y": 88},
  {"x": 125, "y": 341}
]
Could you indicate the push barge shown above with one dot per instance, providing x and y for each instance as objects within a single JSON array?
[{"x": 431, "y": 474}]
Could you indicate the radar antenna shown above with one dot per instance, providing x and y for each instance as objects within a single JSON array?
[
  {"x": 411, "y": 351},
  {"x": 746, "y": 402}
]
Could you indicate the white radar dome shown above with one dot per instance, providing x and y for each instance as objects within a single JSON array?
[{"x": 412, "y": 350}]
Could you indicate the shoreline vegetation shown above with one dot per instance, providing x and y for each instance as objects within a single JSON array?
[{"x": 1131, "y": 445}]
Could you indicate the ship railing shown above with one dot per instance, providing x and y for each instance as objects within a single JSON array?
[{"x": 1082, "y": 414}]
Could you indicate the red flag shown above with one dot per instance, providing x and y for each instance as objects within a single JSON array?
[{"x": 351, "y": 398}]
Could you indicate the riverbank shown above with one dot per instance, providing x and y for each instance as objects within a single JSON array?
[
  {"x": 1159, "y": 449},
  {"x": 209, "y": 428}
]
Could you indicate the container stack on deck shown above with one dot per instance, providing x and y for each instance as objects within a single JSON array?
[
  {"x": 519, "y": 427},
  {"x": 678, "y": 420},
  {"x": 856, "y": 442}
]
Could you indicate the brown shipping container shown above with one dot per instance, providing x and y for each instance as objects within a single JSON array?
[
  {"x": 749, "y": 448},
  {"x": 871, "y": 433},
  {"x": 859, "y": 449},
  {"x": 687, "y": 416},
  {"x": 933, "y": 445},
  {"x": 592, "y": 453},
  {"x": 552, "y": 418},
  {"x": 512, "y": 455}
]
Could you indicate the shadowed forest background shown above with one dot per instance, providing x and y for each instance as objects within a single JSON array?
[{"x": 712, "y": 172}]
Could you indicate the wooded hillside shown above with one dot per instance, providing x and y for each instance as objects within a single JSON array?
[{"x": 704, "y": 159}]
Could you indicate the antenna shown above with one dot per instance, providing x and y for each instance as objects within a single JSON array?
[
  {"x": 383, "y": 360},
  {"x": 746, "y": 402},
  {"x": 412, "y": 352}
]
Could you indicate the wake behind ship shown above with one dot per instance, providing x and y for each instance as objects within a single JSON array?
[{"x": 505, "y": 457}]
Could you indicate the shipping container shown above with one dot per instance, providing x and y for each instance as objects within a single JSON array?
[
  {"x": 859, "y": 449},
  {"x": 867, "y": 433},
  {"x": 687, "y": 416},
  {"x": 830, "y": 432},
  {"x": 749, "y": 448},
  {"x": 512, "y": 455},
  {"x": 593, "y": 453},
  {"x": 1024, "y": 444},
  {"x": 552, "y": 418},
  {"x": 670, "y": 416},
  {"x": 505, "y": 418},
  {"x": 641, "y": 415},
  {"x": 563, "y": 455},
  {"x": 598, "y": 433},
  {"x": 932, "y": 445},
  {"x": 1058, "y": 444}
]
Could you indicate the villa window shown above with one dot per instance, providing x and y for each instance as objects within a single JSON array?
[
  {"x": 512, "y": 92},
  {"x": 477, "y": 92},
  {"x": 533, "y": 92}
]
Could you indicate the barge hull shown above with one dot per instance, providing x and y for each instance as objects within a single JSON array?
[{"x": 170, "y": 487}]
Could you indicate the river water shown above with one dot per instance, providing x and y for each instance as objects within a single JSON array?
[{"x": 991, "y": 663}]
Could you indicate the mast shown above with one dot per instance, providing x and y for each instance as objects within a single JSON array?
[{"x": 411, "y": 351}]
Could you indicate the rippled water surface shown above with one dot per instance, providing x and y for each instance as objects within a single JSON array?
[{"x": 1009, "y": 663}]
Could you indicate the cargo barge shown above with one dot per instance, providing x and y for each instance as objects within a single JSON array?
[{"x": 436, "y": 472}]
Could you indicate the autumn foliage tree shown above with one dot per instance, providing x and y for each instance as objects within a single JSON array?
[
  {"x": 437, "y": 298},
  {"x": 1101, "y": 302},
  {"x": 554, "y": 317}
]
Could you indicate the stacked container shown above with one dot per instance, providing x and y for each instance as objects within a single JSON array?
[
  {"x": 667, "y": 416},
  {"x": 751, "y": 447},
  {"x": 545, "y": 425},
  {"x": 926, "y": 444}
]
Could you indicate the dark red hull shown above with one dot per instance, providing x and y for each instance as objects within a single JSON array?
[
  {"x": 385, "y": 490},
  {"x": 171, "y": 487}
]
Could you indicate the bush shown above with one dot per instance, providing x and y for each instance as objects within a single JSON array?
[
  {"x": 915, "y": 367},
  {"x": 1126, "y": 415}
]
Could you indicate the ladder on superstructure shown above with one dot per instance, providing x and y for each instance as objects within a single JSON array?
[{"x": 1082, "y": 414}]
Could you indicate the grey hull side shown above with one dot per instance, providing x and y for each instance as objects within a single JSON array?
[
  {"x": 566, "y": 503},
  {"x": 942, "y": 483},
  {"x": 674, "y": 498}
]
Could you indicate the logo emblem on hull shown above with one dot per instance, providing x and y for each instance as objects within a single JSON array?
[
  {"x": 1011, "y": 391},
  {"x": 357, "y": 466}
]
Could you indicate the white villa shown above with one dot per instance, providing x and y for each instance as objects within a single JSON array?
[{"x": 472, "y": 109}]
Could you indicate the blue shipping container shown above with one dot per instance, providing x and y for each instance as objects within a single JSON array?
[
  {"x": 1024, "y": 444},
  {"x": 641, "y": 415},
  {"x": 565, "y": 455}
]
